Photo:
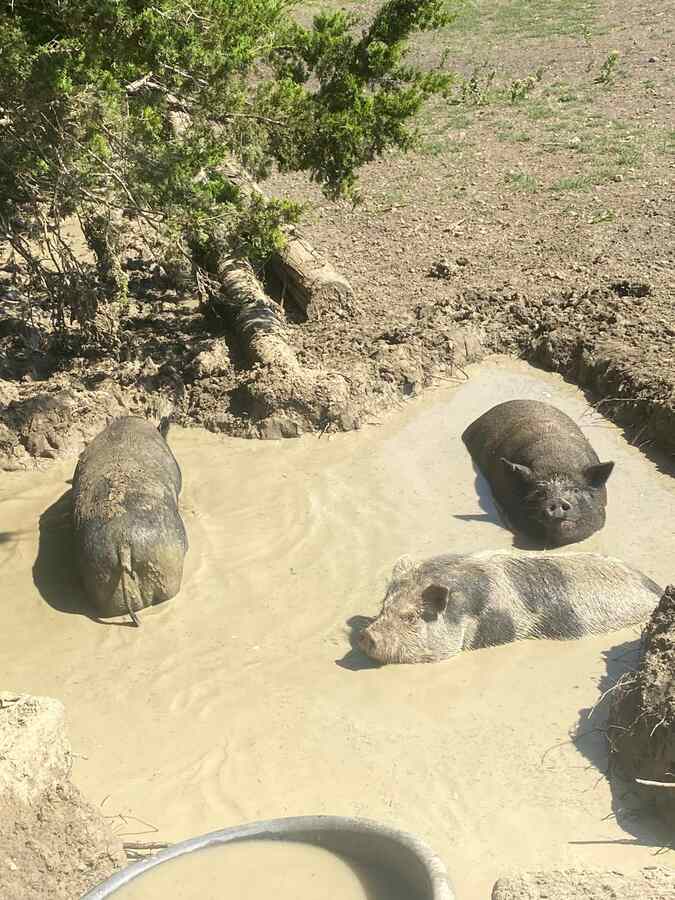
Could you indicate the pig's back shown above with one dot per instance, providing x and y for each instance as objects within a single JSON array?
[
  {"x": 531, "y": 433},
  {"x": 563, "y": 596}
]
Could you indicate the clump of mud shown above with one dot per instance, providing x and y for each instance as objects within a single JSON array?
[{"x": 641, "y": 726}]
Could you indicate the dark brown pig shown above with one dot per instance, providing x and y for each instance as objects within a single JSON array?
[
  {"x": 129, "y": 535},
  {"x": 545, "y": 477},
  {"x": 438, "y": 607}
]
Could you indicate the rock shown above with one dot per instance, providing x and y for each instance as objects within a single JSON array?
[
  {"x": 8, "y": 392},
  {"x": 53, "y": 424},
  {"x": 652, "y": 883},
  {"x": 34, "y": 751},
  {"x": 399, "y": 365},
  {"x": 442, "y": 269},
  {"x": 212, "y": 360},
  {"x": 13, "y": 456},
  {"x": 54, "y": 844}
]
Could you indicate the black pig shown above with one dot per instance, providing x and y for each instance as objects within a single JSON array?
[{"x": 545, "y": 477}]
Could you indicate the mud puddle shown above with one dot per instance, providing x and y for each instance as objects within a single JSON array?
[{"x": 242, "y": 699}]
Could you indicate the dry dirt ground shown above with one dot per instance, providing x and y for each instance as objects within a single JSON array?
[{"x": 536, "y": 217}]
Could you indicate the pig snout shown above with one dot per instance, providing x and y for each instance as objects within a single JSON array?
[
  {"x": 367, "y": 642},
  {"x": 378, "y": 646},
  {"x": 558, "y": 508}
]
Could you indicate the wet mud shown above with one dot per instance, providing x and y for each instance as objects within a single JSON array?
[{"x": 244, "y": 698}]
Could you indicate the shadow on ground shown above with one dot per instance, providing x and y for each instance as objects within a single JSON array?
[
  {"x": 590, "y": 739},
  {"x": 356, "y": 659},
  {"x": 55, "y": 572}
]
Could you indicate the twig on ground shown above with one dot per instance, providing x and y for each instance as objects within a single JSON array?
[
  {"x": 5, "y": 701},
  {"x": 665, "y": 784},
  {"x": 660, "y": 722},
  {"x": 145, "y": 845},
  {"x": 602, "y": 696}
]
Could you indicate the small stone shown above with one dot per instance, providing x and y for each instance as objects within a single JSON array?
[
  {"x": 149, "y": 367},
  {"x": 213, "y": 360}
]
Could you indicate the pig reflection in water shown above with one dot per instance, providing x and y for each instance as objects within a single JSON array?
[
  {"x": 252, "y": 870},
  {"x": 435, "y": 608}
]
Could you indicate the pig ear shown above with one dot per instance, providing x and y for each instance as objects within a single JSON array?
[
  {"x": 402, "y": 565},
  {"x": 597, "y": 475},
  {"x": 521, "y": 472},
  {"x": 435, "y": 600}
]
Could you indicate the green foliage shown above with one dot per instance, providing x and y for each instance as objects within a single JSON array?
[
  {"x": 482, "y": 88},
  {"x": 477, "y": 89},
  {"x": 135, "y": 108},
  {"x": 521, "y": 181},
  {"x": 607, "y": 69},
  {"x": 521, "y": 88}
]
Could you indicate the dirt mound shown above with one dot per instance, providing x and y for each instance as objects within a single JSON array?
[
  {"x": 347, "y": 373},
  {"x": 58, "y": 847},
  {"x": 641, "y": 726},
  {"x": 53, "y": 843},
  {"x": 657, "y": 883},
  {"x": 48, "y": 421}
]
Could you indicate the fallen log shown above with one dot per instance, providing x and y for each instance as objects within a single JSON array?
[
  {"x": 310, "y": 281},
  {"x": 283, "y": 398},
  {"x": 257, "y": 320},
  {"x": 302, "y": 273}
]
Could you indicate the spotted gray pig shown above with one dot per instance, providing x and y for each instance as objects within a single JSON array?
[
  {"x": 435, "y": 608},
  {"x": 545, "y": 477},
  {"x": 129, "y": 535}
]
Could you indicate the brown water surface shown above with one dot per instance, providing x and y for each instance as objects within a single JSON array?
[
  {"x": 228, "y": 706},
  {"x": 264, "y": 870}
]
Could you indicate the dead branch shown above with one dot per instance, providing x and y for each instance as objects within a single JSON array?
[{"x": 664, "y": 784}]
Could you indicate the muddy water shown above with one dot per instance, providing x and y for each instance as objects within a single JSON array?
[
  {"x": 259, "y": 870},
  {"x": 228, "y": 705}
]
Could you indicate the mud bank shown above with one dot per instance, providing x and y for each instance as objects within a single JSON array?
[
  {"x": 642, "y": 714},
  {"x": 54, "y": 843},
  {"x": 242, "y": 699},
  {"x": 614, "y": 340}
]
